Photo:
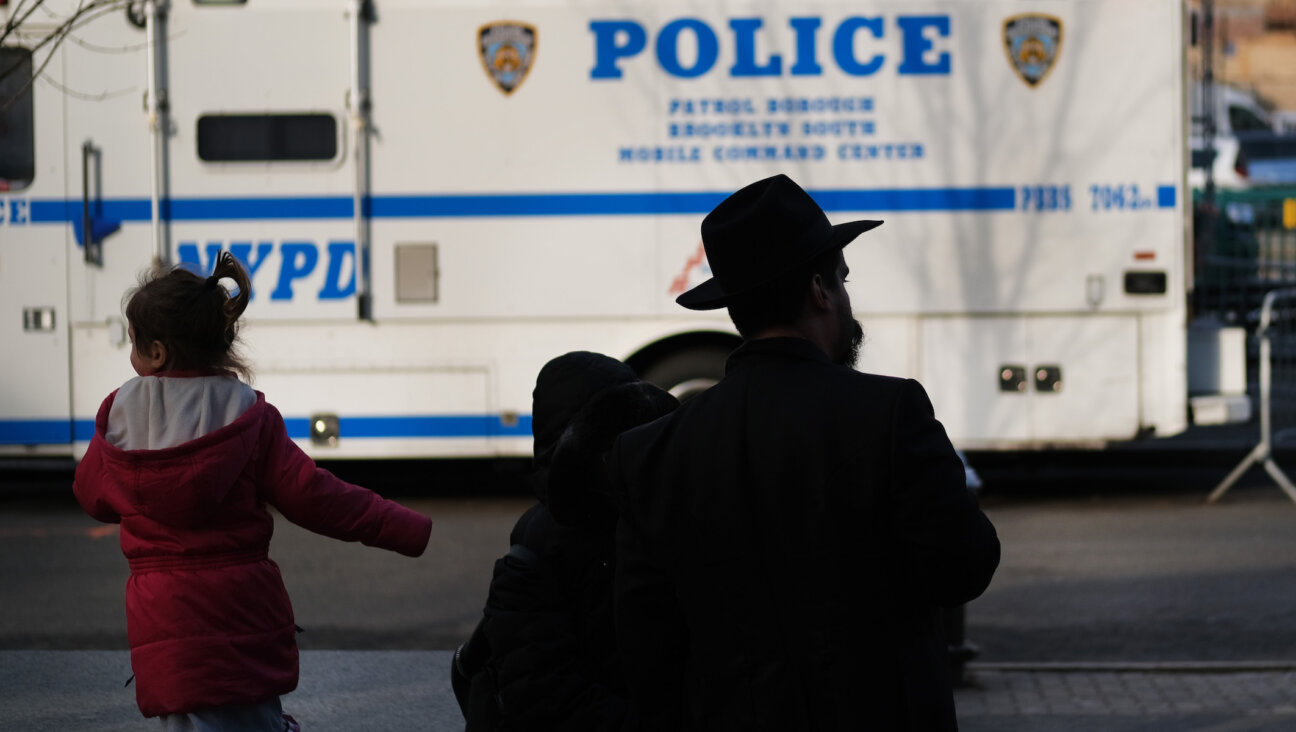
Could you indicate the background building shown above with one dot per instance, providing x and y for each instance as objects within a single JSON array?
[{"x": 1255, "y": 50}]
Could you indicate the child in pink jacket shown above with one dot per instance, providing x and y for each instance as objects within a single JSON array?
[{"x": 186, "y": 457}]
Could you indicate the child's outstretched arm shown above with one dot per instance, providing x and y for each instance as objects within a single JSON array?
[{"x": 315, "y": 499}]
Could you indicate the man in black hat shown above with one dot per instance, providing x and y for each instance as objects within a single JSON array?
[{"x": 788, "y": 536}]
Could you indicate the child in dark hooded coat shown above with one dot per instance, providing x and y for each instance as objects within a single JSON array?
[{"x": 552, "y": 662}]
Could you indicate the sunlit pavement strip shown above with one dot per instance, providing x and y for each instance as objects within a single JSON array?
[
  {"x": 92, "y": 532},
  {"x": 1130, "y": 689},
  {"x": 363, "y": 690}
]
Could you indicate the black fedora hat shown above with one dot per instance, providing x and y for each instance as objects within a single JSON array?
[{"x": 760, "y": 233}]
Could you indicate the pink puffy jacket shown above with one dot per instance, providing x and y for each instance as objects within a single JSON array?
[{"x": 207, "y": 614}]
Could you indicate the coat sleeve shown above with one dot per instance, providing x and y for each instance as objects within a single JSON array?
[
  {"x": 86, "y": 487},
  {"x": 544, "y": 676},
  {"x": 315, "y": 499},
  {"x": 948, "y": 548}
]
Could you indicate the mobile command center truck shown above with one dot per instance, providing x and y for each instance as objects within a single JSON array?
[{"x": 434, "y": 198}]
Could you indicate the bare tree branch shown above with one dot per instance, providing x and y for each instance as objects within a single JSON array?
[
  {"x": 15, "y": 20},
  {"x": 77, "y": 19},
  {"x": 84, "y": 13}
]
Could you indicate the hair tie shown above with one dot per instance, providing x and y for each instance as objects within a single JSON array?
[{"x": 209, "y": 285}]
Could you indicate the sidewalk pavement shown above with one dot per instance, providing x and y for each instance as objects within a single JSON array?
[{"x": 356, "y": 691}]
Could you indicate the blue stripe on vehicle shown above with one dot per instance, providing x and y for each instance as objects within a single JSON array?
[
  {"x": 558, "y": 204},
  {"x": 195, "y": 209},
  {"x": 424, "y": 426},
  {"x": 1000, "y": 198},
  {"x": 63, "y": 431},
  {"x": 35, "y": 431},
  {"x": 83, "y": 430},
  {"x": 920, "y": 199},
  {"x": 58, "y": 211},
  {"x": 1165, "y": 196},
  {"x": 492, "y": 205},
  {"x": 215, "y": 209}
]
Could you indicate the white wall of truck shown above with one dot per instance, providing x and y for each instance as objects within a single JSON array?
[{"x": 1032, "y": 222}]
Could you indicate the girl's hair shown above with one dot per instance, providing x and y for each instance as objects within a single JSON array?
[{"x": 195, "y": 318}]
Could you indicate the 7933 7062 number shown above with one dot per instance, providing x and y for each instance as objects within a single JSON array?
[{"x": 1118, "y": 197}]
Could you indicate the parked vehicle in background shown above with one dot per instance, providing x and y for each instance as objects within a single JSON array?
[
  {"x": 1237, "y": 114},
  {"x": 1269, "y": 158},
  {"x": 1246, "y": 159},
  {"x": 1236, "y": 111},
  {"x": 1284, "y": 121},
  {"x": 1227, "y": 165},
  {"x": 435, "y": 197}
]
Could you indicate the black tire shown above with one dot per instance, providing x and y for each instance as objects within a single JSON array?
[{"x": 687, "y": 373}]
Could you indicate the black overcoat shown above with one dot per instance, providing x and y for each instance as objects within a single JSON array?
[
  {"x": 786, "y": 539},
  {"x": 548, "y": 622}
]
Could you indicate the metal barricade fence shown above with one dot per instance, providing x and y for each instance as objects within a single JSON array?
[
  {"x": 1245, "y": 247},
  {"x": 1276, "y": 333}
]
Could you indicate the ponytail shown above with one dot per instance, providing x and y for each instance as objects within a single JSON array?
[{"x": 227, "y": 267}]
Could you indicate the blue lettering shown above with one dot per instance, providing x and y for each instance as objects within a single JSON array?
[
  {"x": 708, "y": 48},
  {"x": 844, "y": 46},
  {"x": 615, "y": 40},
  {"x": 299, "y": 260},
  {"x": 607, "y": 50},
  {"x": 339, "y": 252},
  {"x": 745, "y": 61},
  {"x": 807, "y": 63},
  {"x": 916, "y": 44},
  {"x": 18, "y": 211},
  {"x": 242, "y": 251}
]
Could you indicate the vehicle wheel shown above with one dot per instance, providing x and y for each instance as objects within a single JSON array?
[{"x": 685, "y": 374}]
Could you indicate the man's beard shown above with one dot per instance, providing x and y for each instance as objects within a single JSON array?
[{"x": 848, "y": 351}]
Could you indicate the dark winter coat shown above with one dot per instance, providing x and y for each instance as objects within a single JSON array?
[
  {"x": 787, "y": 538},
  {"x": 552, "y": 662},
  {"x": 548, "y": 622}
]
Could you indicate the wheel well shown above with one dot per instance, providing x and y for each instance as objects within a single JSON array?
[{"x": 654, "y": 352}]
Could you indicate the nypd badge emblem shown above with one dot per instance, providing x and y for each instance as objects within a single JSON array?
[
  {"x": 1033, "y": 42},
  {"x": 507, "y": 51}
]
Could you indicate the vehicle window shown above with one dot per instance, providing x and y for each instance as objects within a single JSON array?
[
  {"x": 1202, "y": 158},
  {"x": 1242, "y": 119},
  {"x": 1269, "y": 146},
  {"x": 17, "y": 123},
  {"x": 224, "y": 138}
]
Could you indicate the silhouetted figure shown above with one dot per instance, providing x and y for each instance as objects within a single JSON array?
[
  {"x": 788, "y": 536},
  {"x": 544, "y": 657}
]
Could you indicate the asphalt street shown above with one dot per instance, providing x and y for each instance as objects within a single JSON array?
[
  {"x": 1129, "y": 609},
  {"x": 1142, "y": 578}
]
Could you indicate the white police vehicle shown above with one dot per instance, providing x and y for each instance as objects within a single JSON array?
[{"x": 436, "y": 197}]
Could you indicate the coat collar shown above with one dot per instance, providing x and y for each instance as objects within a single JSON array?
[{"x": 764, "y": 350}]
